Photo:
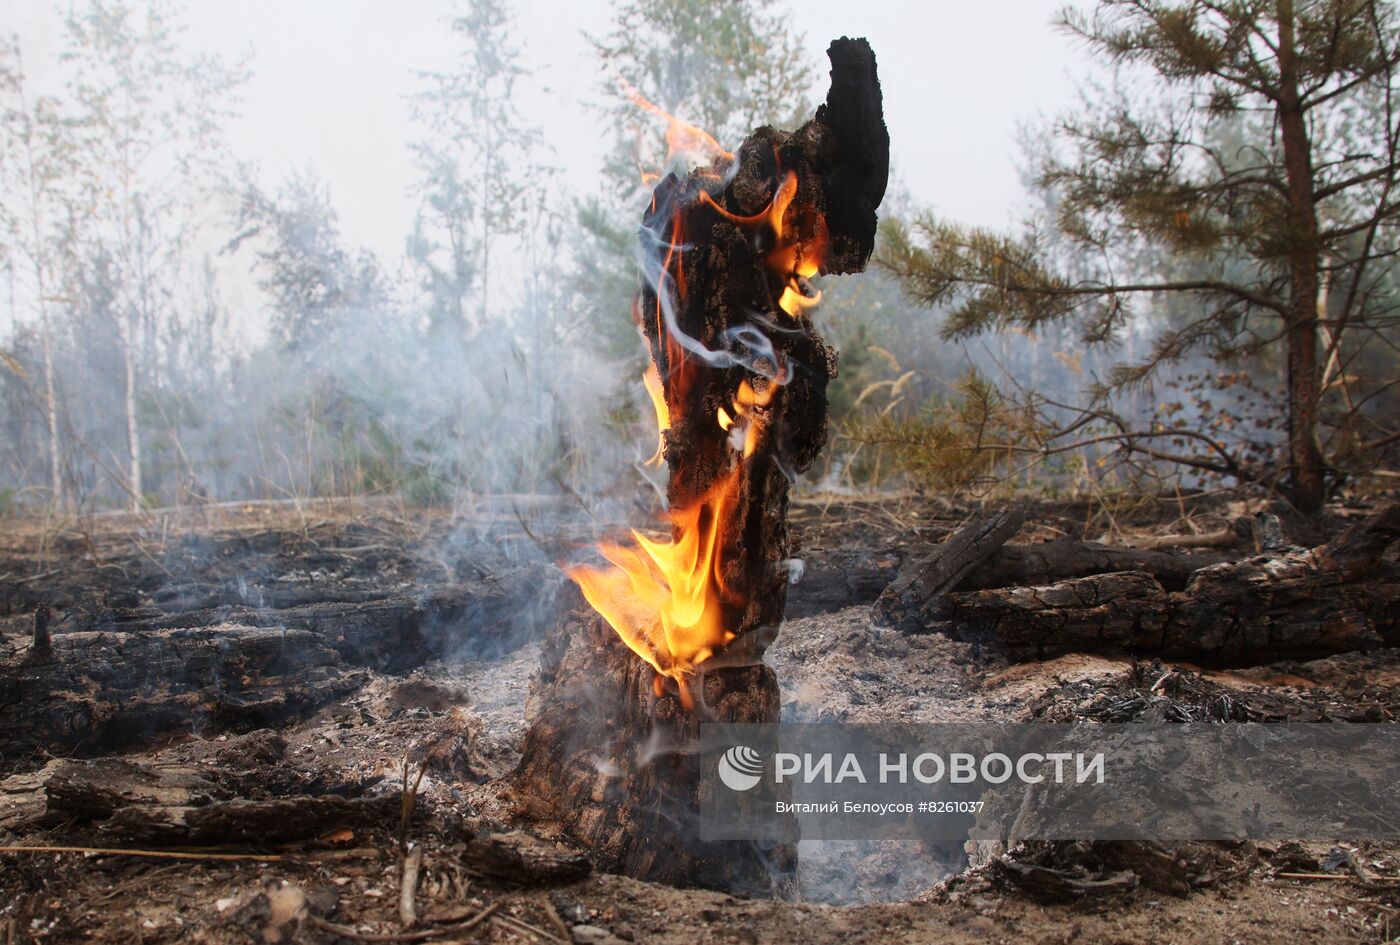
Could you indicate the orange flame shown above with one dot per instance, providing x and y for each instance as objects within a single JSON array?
[
  {"x": 667, "y": 599},
  {"x": 651, "y": 379},
  {"x": 681, "y": 138},
  {"x": 663, "y": 597},
  {"x": 796, "y": 257}
]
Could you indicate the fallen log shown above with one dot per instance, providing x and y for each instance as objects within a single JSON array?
[
  {"x": 146, "y": 675},
  {"x": 128, "y": 801},
  {"x": 252, "y": 822},
  {"x": 1339, "y": 597},
  {"x": 518, "y": 857},
  {"x": 104, "y": 691},
  {"x": 834, "y": 579},
  {"x": 1051, "y": 561},
  {"x": 976, "y": 557}
]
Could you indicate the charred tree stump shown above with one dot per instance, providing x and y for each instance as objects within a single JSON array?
[
  {"x": 600, "y": 759},
  {"x": 742, "y": 374},
  {"x": 1339, "y": 597}
]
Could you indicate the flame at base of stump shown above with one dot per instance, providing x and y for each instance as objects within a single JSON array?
[{"x": 607, "y": 760}]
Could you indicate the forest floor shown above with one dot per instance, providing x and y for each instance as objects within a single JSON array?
[{"x": 254, "y": 685}]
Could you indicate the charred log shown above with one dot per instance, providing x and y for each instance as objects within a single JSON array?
[
  {"x": 1336, "y": 598},
  {"x": 943, "y": 568},
  {"x": 142, "y": 675},
  {"x": 1051, "y": 561},
  {"x": 517, "y": 857},
  {"x": 158, "y": 806},
  {"x": 834, "y": 579}
]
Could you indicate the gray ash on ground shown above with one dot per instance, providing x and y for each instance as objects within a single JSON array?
[{"x": 458, "y": 715}]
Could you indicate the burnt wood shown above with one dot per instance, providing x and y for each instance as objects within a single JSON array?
[
  {"x": 841, "y": 162},
  {"x": 605, "y": 755},
  {"x": 1336, "y": 598},
  {"x": 518, "y": 857},
  {"x": 834, "y": 579},
  {"x": 943, "y": 568},
  {"x": 140, "y": 675},
  {"x": 156, "y": 805}
]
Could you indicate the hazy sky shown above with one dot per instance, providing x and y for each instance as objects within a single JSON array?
[{"x": 331, "y": 76}]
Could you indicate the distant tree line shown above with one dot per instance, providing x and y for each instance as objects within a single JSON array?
[{"x": 1204, "y": 291}]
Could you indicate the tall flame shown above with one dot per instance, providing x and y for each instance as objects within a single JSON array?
[
  {"x": 664, "y": 597},
  {"x": 667, "y": 599}
]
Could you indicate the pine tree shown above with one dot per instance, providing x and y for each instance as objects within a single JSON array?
[{"x": 1253, "y": 149}]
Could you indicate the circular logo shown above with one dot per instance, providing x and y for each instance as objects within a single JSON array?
[{"x": 741, "y": 768}]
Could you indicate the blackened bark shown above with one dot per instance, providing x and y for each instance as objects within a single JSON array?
[
  {"x": 841, "y": 162},
  {"x": 158, "y": 806},
  {"x": 943, "y": 568},
  {"x": 1336, "y": 598},
  {"x": 138, "y": 676}
]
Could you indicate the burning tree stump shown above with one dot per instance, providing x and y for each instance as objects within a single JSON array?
[{"x": 739, "y": 377}]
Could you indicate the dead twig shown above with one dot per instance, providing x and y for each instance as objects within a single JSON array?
[
  {"x": 1221, "y": 539},
  {"x": 154, "y": 854},
  {"x": 422, "y": 935},
  {"x": 520, "y": 925},
  {"x": 1339, "y": 877},
  {"x": 336, "y": 856},
  {"x": 554, "y": 918},
  {"x": 408, "y": 886},
  {"x": 1369, "y": 902},
  {"x": 37, "y": 577},
  {"x": 409, "y": 800}
]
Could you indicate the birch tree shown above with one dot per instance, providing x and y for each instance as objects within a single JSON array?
[
  {"x": 478, "y": 163},
  {"x": 36, "y": 161}
]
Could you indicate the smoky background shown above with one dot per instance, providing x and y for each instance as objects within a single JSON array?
[{"x": 183, "y": 326}]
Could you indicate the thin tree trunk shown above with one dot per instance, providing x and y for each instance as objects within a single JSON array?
[
  {"x": 51, "y": 414},
  {"x": 1305, "y": 455},
  {"x": 487, "y": 177},
  {"x": 45, "y": 333},
  {"x": 128, "y": 323},
  {"x": 133, "y": 431}
]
